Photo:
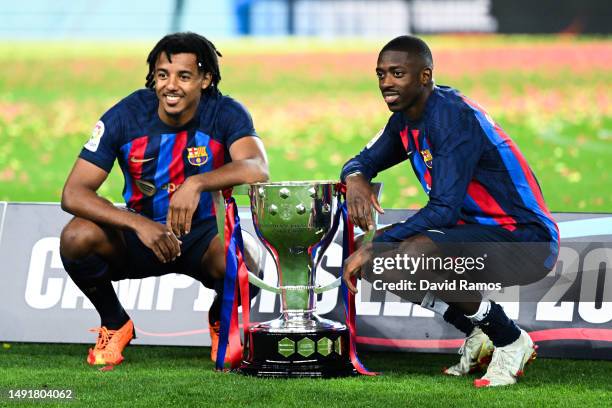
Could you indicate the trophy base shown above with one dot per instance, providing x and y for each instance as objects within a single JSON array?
[{"x": 280, "y": 349}]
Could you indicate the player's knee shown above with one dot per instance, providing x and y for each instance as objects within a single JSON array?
[{"x": 79, "y": 238}]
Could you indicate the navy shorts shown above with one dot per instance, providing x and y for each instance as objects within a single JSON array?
[
  {"x": 510, "y": 260},
  {"x": 141, "y": 262}
]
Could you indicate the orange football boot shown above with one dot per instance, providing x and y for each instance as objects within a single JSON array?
[
  {"x": 214, "y": 330},
  {"x": 110, "y": 344}
]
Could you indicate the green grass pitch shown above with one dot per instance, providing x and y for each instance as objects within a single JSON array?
[{"x": 184, "y": 376}]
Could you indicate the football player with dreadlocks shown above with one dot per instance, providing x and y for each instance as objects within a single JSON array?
[{"x": 175, "y": 141}]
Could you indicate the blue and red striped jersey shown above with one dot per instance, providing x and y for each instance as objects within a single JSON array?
[
  {"x": 471, "y": 170},
  {"x": 155, "y": 158}
]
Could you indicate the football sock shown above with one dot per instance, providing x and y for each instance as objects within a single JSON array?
[
  {"x": 214, "y": 313},
  {"x": 458, "y": 319},
  {"x": 495, "y": 324},
  {"x": 91, "y": 275},
  {"x": 104, "y": 299}
]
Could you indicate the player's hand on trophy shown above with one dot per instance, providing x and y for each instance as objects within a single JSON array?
[
  {"x": 155, "y": 236},
  {"x": 183, "y": 204},
  {"x": 360, "y": 199},
  {"x": 353, "y": 265}
]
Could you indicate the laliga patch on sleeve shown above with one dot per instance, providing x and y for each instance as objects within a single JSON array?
[
  {"x": 96, "y": 135},
  {"x": 375, "y": 138}
]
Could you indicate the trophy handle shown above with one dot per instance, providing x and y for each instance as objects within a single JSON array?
[
  {"x": 336, "y": 283},
  {"x": 255, "y": 280}
]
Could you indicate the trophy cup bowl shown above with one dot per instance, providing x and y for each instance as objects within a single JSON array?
[{"x": 292, "y": 219}]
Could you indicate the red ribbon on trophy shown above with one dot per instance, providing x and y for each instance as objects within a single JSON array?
[{"x": 236, "y": 282}]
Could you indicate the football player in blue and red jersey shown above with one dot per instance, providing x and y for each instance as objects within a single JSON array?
[
  {"x": 480, "y": 189},
  {"x": 175, "y": 141}
]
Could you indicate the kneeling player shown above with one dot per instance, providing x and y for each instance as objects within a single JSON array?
[
  {"x": 175, "y": 141},
  {"x": 480, "y": 189}
]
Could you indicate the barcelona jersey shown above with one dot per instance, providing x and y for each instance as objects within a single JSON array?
[
  {"x": 471, "y": 170},
  {"x": 156, "y": 158}
]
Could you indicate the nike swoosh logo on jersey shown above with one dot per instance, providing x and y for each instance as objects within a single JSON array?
[{"x": 135, "y": 160}]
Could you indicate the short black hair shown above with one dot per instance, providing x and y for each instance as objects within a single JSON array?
[
  {"x": 413, "y": 46},
  {"x": 192, "y": 43}
]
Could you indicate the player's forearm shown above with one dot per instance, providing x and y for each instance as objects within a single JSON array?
[
  {"x": 85, "y": 203},
  {"x": 232, "y": 174}
]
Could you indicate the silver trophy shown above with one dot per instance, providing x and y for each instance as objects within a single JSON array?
[{"x": 293, "y": 220}]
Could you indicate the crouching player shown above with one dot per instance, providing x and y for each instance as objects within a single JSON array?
[
  {"x": 175, "y": 141},
  {"x": 480, "y": 189}
]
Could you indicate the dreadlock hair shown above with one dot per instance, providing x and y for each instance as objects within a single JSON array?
[
  {"x": 192, "y": 43},
  {"x": 412, "y": 45}
]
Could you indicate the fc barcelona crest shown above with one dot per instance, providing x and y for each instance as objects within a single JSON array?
[
  {"x": 197, "y": 156},
  {"x": 427, "y": 157}
]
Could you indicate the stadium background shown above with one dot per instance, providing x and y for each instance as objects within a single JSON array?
[{"x": 305, "y": 71}]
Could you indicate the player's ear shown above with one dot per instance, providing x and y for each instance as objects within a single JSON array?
[
  {"x": 426, "y": 76},
  {"x": 207, "y": 80}
]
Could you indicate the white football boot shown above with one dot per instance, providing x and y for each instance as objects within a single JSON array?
[
  {"x": 508, "y": 362},
  {"x": 475, "y": 354}
]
